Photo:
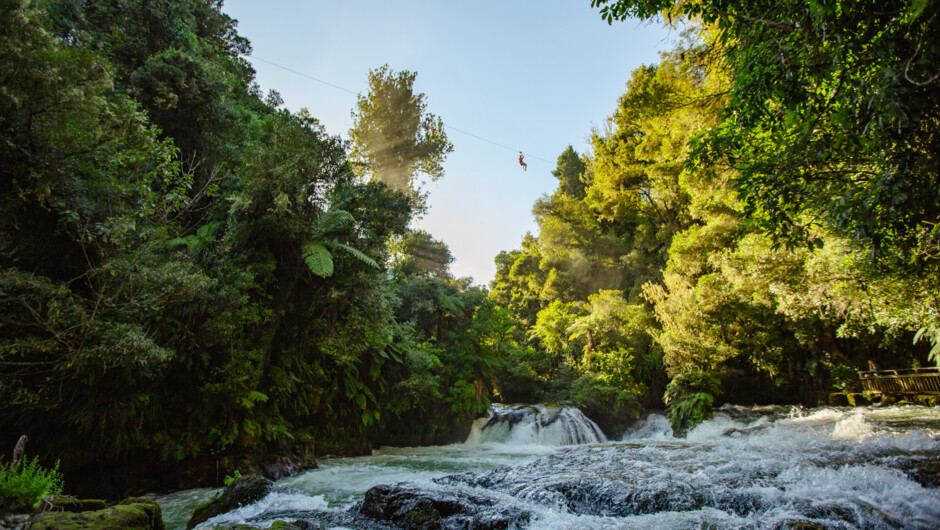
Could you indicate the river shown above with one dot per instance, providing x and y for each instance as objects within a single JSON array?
[{"x": 546, "y": 468}]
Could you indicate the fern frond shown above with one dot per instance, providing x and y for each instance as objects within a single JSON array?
[
  {"x": 358, "y": 254},
  {"x": 333, "y": 220},
  {"x": 318, "y": 259},
  {"x": 450, "y": 303}
]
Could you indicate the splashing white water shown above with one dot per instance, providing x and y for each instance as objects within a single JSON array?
[
  {"x": 275, "y": 502},
  {"x": 526, "y": 425},
  {"x": 654, "y": 427},
  {"x": 745, "y": 468}
]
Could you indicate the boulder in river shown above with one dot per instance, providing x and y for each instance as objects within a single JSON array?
[
  {"x": 408, "y": 506},
  {"x": 277, "y": 525},
  {"x": 241, "y": 492}
]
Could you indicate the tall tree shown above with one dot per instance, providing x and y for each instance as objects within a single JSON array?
[
  {"x": 393, "y": 136},
  {"x": 570, "y": 173},
  {"x": 419, "y": 254}
]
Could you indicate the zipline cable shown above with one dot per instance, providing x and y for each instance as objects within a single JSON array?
[
  {"x": 302, "y": 74},
  {"x": 327, "y": 83}
]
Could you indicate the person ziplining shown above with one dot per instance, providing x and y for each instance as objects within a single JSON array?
[{"x": 522, "y": 163}]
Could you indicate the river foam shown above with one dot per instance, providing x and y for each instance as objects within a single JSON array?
[{"x": 747, "y": 467}]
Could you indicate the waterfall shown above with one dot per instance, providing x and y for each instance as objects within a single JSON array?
[
  {"x": 550, "y": 425},
  {"x": 654, "y": 427}
]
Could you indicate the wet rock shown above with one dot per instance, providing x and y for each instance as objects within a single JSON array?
[
  {"x": 612, "y": 499},
  {"x": 129, "y": 514},
  {"x": 510, "y": 417},
  {"x": 745, "y": 431},
  {"x": 858, "y": 400},
  {"x": 887, "y": 399},
  {"x": 243, "y": 491},
  {"x": 838, "y": 399},
  {"x": 287, "y": 463},
  {"x": 408, "y": 506},
  {"x": 544, "y": 424},
  {"x": 513, "y": 414},
  {"x": 296, "y": 525},
  {"x": 14, "y": 522},
  {"x": 799, "y": 525},
  {"x": 921, "y": 467},
  {"x": 276, "y": 525},
  {"x": 287, "y": 467}
]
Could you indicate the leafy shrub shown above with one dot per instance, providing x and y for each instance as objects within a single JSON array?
[
  {"x": 25, "y": 483},
  {"x": 845, "y": 378},
  {"x": 232, "y": 478},
  {"x": 689, "y": 398},
  {"x": 606, "y": 401}
]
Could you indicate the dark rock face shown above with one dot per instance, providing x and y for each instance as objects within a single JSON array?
[
  {"x": 243, "y": 491},
  {"x": 286, "y": 466},
  {"x": 407, "y": 506},
  {"x": 512, "y": 417}
]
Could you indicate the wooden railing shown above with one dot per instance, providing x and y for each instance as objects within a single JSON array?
[{"x": 910, "y": 381}]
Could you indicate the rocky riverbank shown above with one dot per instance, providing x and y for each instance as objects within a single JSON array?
[{"x": 70, "y": 514}]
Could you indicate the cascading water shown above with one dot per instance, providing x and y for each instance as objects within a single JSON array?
[
  {"x": 535, "y": 424},
  {"x": 748, "y": 467}
]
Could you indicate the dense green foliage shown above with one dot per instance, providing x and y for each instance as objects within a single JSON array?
[
  {"x": 831, "y": 117},
  {"x": 25, "y": 483},
  {"x": 192, "y": 276},
  {"x": 757, "y": 220}
]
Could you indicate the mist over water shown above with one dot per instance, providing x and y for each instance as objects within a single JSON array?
[{"x": 747, "y": 467}]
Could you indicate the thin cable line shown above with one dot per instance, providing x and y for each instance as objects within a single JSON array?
[
  {"x": 494, "y": 143},
  {"x": 478, "y": 137},
  {"x": 303, "y": 74}
]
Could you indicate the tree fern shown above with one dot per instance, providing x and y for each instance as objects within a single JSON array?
[
  {"x": 318, "y": 258},
  {"x": 452, "y": 304},
  {"x": 358, "y": 254},
  {"x": 316, "y": 252},
  {"x": 333, "y": 221}
]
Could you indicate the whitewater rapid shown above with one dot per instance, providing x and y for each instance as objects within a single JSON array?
[{"x": 549, "y": 467}]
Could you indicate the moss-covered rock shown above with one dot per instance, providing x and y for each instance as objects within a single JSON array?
[
  {"x": 243, "y": 491},
  {"x": 130, "y": 514},
  {"x": 857, "y": 399},
  {"x": 887, "y": 399},
  {"x": 927, "y": 400},
  {"x": 838, "y": 399},
  {"x": 68, "y": 504}
]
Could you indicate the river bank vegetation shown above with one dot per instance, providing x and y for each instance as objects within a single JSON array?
[
  {"x": 195, "y": 280},
  {"x": 758, "y": 219}
]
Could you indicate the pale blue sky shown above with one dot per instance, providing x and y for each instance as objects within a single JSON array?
[{"x": 529, "y": 75}]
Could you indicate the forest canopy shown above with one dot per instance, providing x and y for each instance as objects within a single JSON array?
[
  {"x": 758, "y": 220},
  {"x": 196, "y": 280}
]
